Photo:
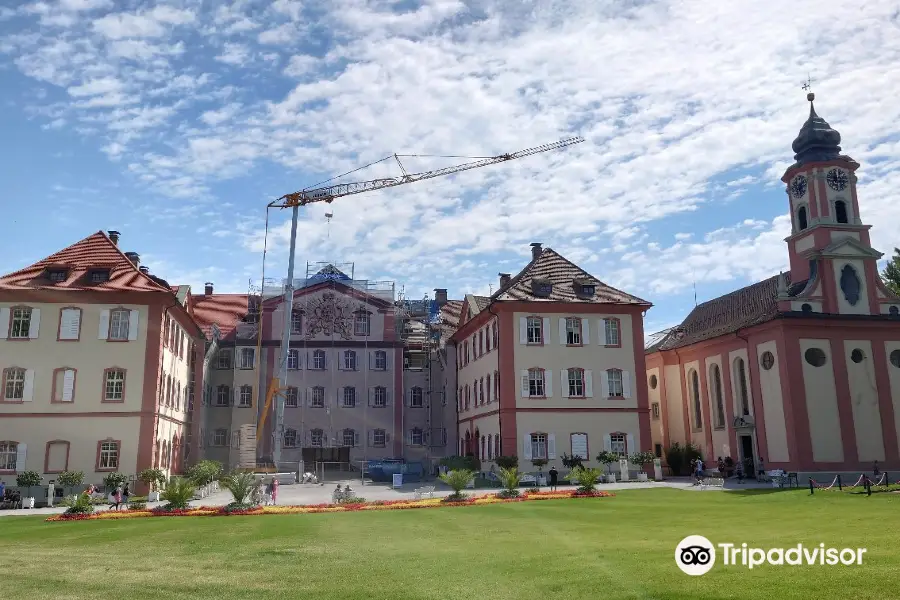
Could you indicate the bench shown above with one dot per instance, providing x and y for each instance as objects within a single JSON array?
[
  {"x": 427, "y": 491},
  {"x": 713, "y": 480}
]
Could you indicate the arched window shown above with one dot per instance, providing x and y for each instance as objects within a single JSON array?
[
  {"x": 802, "y": 222},
  {"x": 840, "y": 211},
  {"x": 695, "y": 400},
  {"x": 715, "y": 376},
  {"x": 497, "y": 445},
  {"x": 739, "y": 374},
  {"x": 490, "y": 446},
  {"x": 483, "y": 450}
]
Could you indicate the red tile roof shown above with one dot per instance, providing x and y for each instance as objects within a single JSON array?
[
  {"x": 96, "y": 251},
  {"x": 224, "y": 311},
  {"x": 449, "y": 319}
]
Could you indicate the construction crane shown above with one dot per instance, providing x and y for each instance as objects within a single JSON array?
[{"x": 328, "y": 194}]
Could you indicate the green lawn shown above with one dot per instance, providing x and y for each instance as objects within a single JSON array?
[{"x": 621, "y": 547}]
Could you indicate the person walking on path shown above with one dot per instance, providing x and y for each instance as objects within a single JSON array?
[
  {"x": 274, "y": 490},
  {"x": 554, "y": 478}
]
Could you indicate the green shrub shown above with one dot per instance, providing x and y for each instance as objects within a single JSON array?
[
  {"x": 642, "y": 458},
  {"x": 178, "y": 493},
  {"x": 679, "y": 457},
  {"x": 241, "y": 486},
  {"x": 155, "y": 478},
  {"x": 28, "y": 480},
  {"x": 70, "y": 479},
  {"x": 585, "y": 478},
  {"x": 78, "y": 505},
  {"x": 507, "y": 462},
  {"x": 113, "y": 480},
  {"x": 571, "y": 462},
  {"x": 205, "y": 472},
  {"x": 534, "y": 490},
  {"x": 510, "y": 479},
  {"x": 458, "y": 480},
  {"x": 457, "y": 463},
  {"x": 607, "y": 458},
  {"x": 137, "y": 506}
]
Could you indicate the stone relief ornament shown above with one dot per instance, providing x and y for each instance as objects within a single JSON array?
[{"x": 329, "y": 315}]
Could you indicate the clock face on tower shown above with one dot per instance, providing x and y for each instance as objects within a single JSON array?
[
  {"x": 798, "y": 186},
  {"x": 837, "y": 179}
]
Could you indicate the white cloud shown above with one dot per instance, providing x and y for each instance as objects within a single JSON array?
[
  {"x": 234, "y": 54},
  {"x": 148, "y": 24}
]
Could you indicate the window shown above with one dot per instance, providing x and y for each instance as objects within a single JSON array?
[
  {"x": 361, "y": 324},
  {"x": 296, "y": 322},
  {"x": 379, "y": 398},
  {"x": 617, "y": 444},
  {"x": 64, "y": 385},
  {"x": 316, "y": 438},
  {"x": 246, "y": 398},
  {"x": 99, "y": 275},
  {"x": 573, "y": 331},
  {"x": 349, "y": 397},
  {"x": 657, "y": 450},
  {"x": 538, "y": 446},
  {"x": 481, "y": 391},
  {"x": 380, "y": 360},
  {"x": 57, "y": 275},
  {"x": 223, "y": 395},
  {"x": 894, "y": 357},
  {"x": 416, "y": 437},
  {"x": 815, "y": 357},
  {"x": 349, "y": 437},
  {"x": 14, "y": 384},
  {"x": 695, "y": 400},
  {"x": 536, "y": 383},
  {"x": 290, "y": 397},
  {"x": 19, "y": 323},
  {"x": 490, "y": 447},
  {"x": 611, "y": 329},
  {"x": 802, "y": 221},
  {"x": 118, "y": 324},
  {"x": 468, "y": 393},
  {"x": 466, "y": 352},
  {"x": 497, "y": 445},
  {"x": 740, "y": 377},
  {"x": 654, "y": 381},
  {"x": 108, "y": 456},
  {"x": 318, "y": 397},
  {"x": 223, "y": 359},
  {"x": 415, "y": 398},
  {"x": 616, "y": 386},
  {"x": 840, "y": 212},
  {"x": 319, "y": 360},
  {"x": 857, "y": 355},
  {"x": 497, "y": 385},
  {"x": 114, "y": 385},
  {"x": 349, "y": 360},
  {"x": 293, "y": 360},
  {"x": 767, "y": 360},
  {"x": 587, "y": 290},
  {"x": 8, "y": 453},
  {"x": 379, "y": 438},
  {"x": 850, "y": 285},
  {"x": 487, "y": 338},
  {"x": 487, "y": 388},
  {"x": 655, "y": 408},
  {"x": 481, "y": 454},
  {"x": 247, "y": 356},
  {"x": 290, "y": 438},
  {"x": 535, "y": 326},
  {"x": 576, "y": 383},
  {"x": 718, "y": 402}
]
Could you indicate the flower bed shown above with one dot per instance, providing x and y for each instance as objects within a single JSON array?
[{"x": 223, "y": 511}]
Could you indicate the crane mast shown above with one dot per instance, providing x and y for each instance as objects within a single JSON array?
[{"x": 328, "y": 194}]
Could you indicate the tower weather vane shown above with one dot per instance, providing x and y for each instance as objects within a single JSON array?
[{"x": 807, "y": 87}]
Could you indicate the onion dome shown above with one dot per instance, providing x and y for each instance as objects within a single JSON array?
[{"x": 817, "y": 141}]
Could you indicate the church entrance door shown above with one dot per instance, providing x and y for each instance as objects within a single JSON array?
[{"x": 746, "y": 444}]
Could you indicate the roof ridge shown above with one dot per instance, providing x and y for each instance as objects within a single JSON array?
[{"x": 597, "y": 279}]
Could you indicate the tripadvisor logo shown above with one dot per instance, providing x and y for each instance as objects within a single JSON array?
[{"x": 696, "y": 555}]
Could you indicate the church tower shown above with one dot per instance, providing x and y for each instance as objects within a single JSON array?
[{"x": 834, "y": 268}]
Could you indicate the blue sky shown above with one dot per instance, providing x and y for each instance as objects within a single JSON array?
[{"x": 176, "y": 121}]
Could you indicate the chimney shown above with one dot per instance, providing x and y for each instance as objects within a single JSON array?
[
  {"x": 134, "y": 257},
  {"x": 535, "y": 250},
  {"x": 208, "y": 289},
  {"x": 113, "y": 236},
  {"x": 144, "y": 270},
  {"x": 504, "y": 279},
  {"x": 440, "y": 296}
]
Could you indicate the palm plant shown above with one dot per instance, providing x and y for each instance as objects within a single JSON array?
[
  {"x": 585, "y": 478},
  {"x": 510, "y": 479},
  {"x": 241, "y": 486},
  {"x": 178, "y": 493},
  {"x": 457, "y": 480}
]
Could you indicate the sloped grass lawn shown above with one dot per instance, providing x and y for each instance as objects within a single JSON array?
[{"x": 621, "y": 547}]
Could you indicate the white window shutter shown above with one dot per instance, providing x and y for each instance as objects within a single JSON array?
[
  {"x": 409, "y": 437},
  {"x": 626, "y": 384},
  {"x": 70, "y": 324},
  {"x": 601, "y": 333},
  {"x": 387, "y": 397},
  {"x": 588, "y": 384},
  {"x": 28, "y": 390},
  {"x": 371, "y": 360},
  {"x": 523, "y": 329},
  {"x": 564, "y": 383},
  {"x": 607, "y": 443},
  {"x": 4, "y": 323},
  {"x": 387, "y": 363},
  {"x": 525, "y": 389},
  {"x": 21, "y": 453},
  {"x": 585, "y": 331},
  {"x": 562, "y": 331},
  {"x": 370, "y": 435},
  {"x": 548, "y": 383},
  {"x": 604, "y": 384},
  {"x": 551, "y": 446},
  {"x": 34, "y": 326},
  {"x": 629, "y": 443},
  {"x": 546, "y": 330},
  {"x": 68, "y": 391},
  {"x": 133, "y": 323},
  {"x": 103, "y": 333},
  {"x": 356, "y": 438},
  {"x": 526, "y": 443}
]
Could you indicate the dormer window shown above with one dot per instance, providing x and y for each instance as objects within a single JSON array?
[
  {"x": 57, "y": 275},
  {"x": 98, "y": 275},
  {"x": 588, "y": 290},
  {"x": 541, "y": 287},
  {"x": 584, "y": 287}
]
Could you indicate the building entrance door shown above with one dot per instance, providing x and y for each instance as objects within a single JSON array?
[{"x": 746, "y": 444}]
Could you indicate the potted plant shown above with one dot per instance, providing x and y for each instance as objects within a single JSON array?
[
  {"x": 155, "y": 479},
  {"x": 572, "y": 462},
  {"x": 643, "y": 459},
  {"x": 608, "y": 458},
  {"x": 28, "y": 480},
  {"x": 539, "y": 464},
  {"x": 69, "y": 480},
  {"x": 507, "y": 462}
]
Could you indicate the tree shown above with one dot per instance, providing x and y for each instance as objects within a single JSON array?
[{"x": 891, "y": 274}]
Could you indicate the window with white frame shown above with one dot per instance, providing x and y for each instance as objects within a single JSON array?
[
  {"x": 655, "y": 408},
  {"x": 535, "y": 329},
  {"x": 246, "y": 396},
  {"x": 316, "y": 438},
  {"x": 223, "y": 359},
  {"x": 290, "y": 438},
  {"x": 291, "y": 397},
  {"x": 379, "y": 438},
  {"x": 617, "y": 444},
  {"x": 220, "y": 437},
  {"x": 14, "y": 388},
  {"x": 616, "y": 387},
  {"x": 576, "y": 383},
  {"x": 349, "y": 360},
  {"x": 20, "y": 322},
  {"x": 416, "y": 437},
  {"x": 349, "y": 437},
  {"x": 379, "y": 399},
  {"x": 361, "y": 324},
  {"x": 247, "y": 356},
  {"x": 109, "y": 455},
  {"x": 349, "y": 397},
  {"x": 319, "y": 360},
  {"x": 536, "y": 383},
  {"x": 118, "y": 324},
  {"x": 573, "y": 331},
  {"x": 8, "y": 453},
  {"x": 538, "y": 446},
  {"x": 296, "y": 322},
  {"x": 380, "y": 360},
  {"x": 612, "y": 332},
  {"x": 415, "y": 397},
  {"x": 223, "y": 395},
  {"x": 318, "y": 397},
  {"x": 293, "y": 360}
]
